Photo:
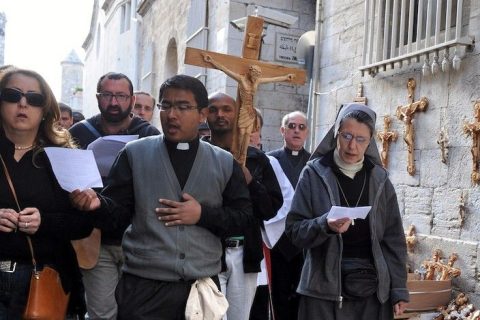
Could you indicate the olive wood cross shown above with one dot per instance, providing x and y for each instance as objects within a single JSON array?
[
  {"x": 406, "y": 114},
  {"x": 386, "y": 137},
  {"x": 473, "y": 129}
]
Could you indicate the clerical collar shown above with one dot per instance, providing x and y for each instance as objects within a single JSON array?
[
  {"x": 293, "y": 152},
  {"x": 182, "y": 146}
]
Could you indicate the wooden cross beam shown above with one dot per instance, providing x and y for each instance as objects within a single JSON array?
[
  {"x": 249, "y": 72},
  {"x": 406, "y": 114},
  {"x": 386, "y": 137},
  {"x": 473, "y": 129}
]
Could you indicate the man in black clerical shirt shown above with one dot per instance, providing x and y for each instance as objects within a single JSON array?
[
  {"x": 286, "y": 259},
  {"x": 182, "y": 196}
]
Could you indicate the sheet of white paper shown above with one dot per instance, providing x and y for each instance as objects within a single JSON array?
[
  {"x": 346, "y": 212},
  {"x": 105, "y": 149},
  {"x": 74, "y": 168},
  {"x": 121, "y": 138}
]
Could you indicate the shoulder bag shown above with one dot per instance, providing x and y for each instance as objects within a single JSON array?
[{"x": 46, "y": 298}]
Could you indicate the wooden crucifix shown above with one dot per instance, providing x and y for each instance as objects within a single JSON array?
[
  {"x": 406, "y": 114},
  {"x": 443, "y": 143},
  {"x": 473, "y": 129},
  {"x": 386, "y": 137},
  {"x": 359, "y": 97},
  {"x": 249, "y": 72}
]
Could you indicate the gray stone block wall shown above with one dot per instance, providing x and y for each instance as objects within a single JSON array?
[{"x": 431, "y": 199}]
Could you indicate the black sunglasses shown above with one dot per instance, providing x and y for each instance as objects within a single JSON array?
[{"x": 13, "y": 95}]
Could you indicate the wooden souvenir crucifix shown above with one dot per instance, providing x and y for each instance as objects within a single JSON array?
[
  {"x": 249, "y": 72},
  {"x": 431, "y": 265},
  {"x": 443, "y": 143},
  {"x": 359, "y": 97},
  {"x": 473, "y": 129},
  {"x": 406, "y": 114},
  {"x": 386, "y": 137}
]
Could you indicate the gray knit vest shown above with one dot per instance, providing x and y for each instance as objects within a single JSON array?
[{"x": 151, "y": 249}]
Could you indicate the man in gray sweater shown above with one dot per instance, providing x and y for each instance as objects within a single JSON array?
[{"x": 181, "y": 195}]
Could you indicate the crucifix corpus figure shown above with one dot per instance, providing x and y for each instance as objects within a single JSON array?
[
  {"x": 406, "y": 114},
  {"x": 247, "y": 116},
  {"x": 473, "y": 129},
  {"x": 386, "y": 137}
]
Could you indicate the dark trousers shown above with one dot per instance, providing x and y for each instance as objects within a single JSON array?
[
  {"x": 261, "y": 304},
  {"x": 366, "y": 309},
  {"x": 141, "y": 299},
  {"x": 14, "y": 289},
  {"x": 285, "y": 278}
]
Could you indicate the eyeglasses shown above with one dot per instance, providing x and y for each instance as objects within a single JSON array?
[
  {"x": 349, "y": 137},
  {"x": 180, "y": 106},
  {"x": 293, "y": 126},
  {"x": 121, "y": 98},
  {"x": 34, "y": 99},
  {"x": 140, "y": 107}
]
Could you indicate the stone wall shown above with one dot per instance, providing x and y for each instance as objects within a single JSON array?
[{"x": 432, "y": 198}]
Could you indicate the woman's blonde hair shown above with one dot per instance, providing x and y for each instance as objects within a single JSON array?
[{"x": 50, "y": 132}]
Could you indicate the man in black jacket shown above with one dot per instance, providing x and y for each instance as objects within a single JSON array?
[
  {"x": 115, "y": 101},
  {"x": 243, "y": 252}
]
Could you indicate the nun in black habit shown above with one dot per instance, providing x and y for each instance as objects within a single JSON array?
[{"x": 354, "y": 269}]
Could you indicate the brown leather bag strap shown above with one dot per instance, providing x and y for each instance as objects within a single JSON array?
[{"x": 10, "y": 183}]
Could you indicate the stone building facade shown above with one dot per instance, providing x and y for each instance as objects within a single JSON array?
[
  {"x": 436, "y": 197},
  {"x": 152, "y": 47},
  {"x": 72, "y": 81}
]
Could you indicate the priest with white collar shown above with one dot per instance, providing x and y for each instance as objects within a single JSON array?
[
  {"x": 286, "y": 259},
  {"x": 179, "y": 196}
]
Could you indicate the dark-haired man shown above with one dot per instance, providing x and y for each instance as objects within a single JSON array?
[
  {"x": 115, "y": 100},
  {"x": 66, "y": 115},
  {"x": 182, "y": 195},
  {"x": 243, "y": 252}
]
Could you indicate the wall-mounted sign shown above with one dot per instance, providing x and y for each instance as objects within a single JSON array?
[{"x": 286, "y": 48}]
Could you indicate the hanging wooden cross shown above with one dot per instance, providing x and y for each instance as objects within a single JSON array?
[
  {"x": 360, "y": 98},
  {"x": 443, "y": 143},
  {"x": 473, "y": 129},
  {"x": 249, "y": 72},
  {"x": 386, "y": 137},
  {"x": 406, "y": 114}
]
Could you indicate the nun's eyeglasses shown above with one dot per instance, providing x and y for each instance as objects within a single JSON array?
[{"x": 347, "y": 136}]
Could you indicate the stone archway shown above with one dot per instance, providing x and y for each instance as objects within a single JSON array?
[{"x": 171, "y": 59}]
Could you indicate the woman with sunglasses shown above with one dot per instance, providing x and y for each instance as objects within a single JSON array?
[
  {"x": 29, "y": 117},
  {"x": 354, "y": 269}
]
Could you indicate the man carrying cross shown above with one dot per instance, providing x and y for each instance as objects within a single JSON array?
[{"x": 243, "y": 248}]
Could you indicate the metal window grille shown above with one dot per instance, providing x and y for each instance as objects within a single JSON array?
[{"x": 401, "y": 31}]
